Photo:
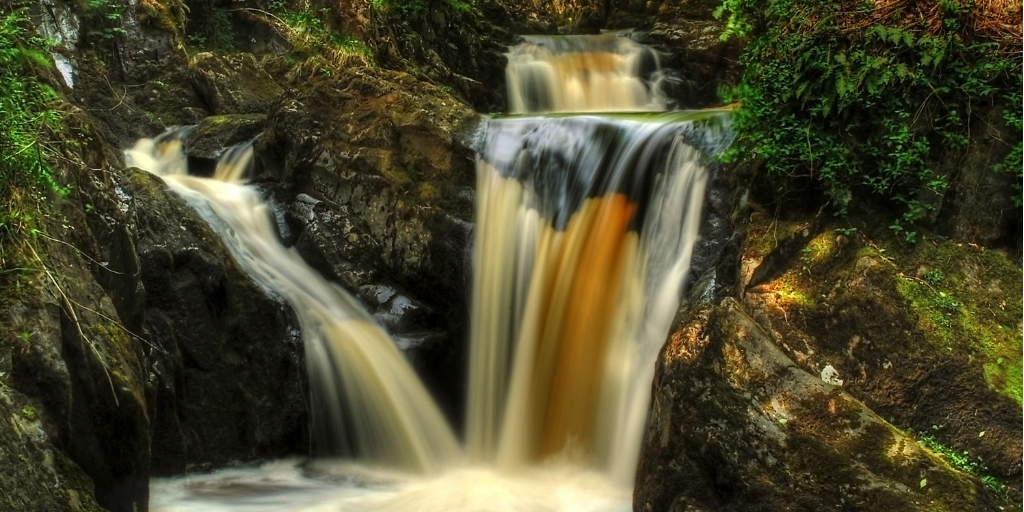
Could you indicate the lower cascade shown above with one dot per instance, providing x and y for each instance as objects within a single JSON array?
[{"x": 585, "y": 226}]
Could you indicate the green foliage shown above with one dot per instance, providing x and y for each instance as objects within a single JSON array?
[
  {"x": 103, "y": 17},
  {"x": 1014, "y": 162},
  {"x": 311, "y": 35},
  {"x": 863, "y": 110},
  {"x": 962, "y": 461},
  {"x": 220, "y": 33},
  {"x": 25, "y": 119},
  {"x": 410, "y": 9}
]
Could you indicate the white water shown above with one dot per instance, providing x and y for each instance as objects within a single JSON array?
[
  {"x": 602, "y": 73},
  {"x": 574, "y": 286},
  {"x": 332, "y": 486}
]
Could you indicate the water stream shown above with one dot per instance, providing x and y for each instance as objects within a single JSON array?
[{"x": 584, "y": 231}]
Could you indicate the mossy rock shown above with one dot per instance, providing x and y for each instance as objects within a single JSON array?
[
  {"x": 737, "y": 426},
  {"x": 928, "y": 335},
  {"x": 233, "y": 83},
  {"x": 215, "y": 133}
]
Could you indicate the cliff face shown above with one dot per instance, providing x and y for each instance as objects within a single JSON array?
[{"x": 132, "y": 344}]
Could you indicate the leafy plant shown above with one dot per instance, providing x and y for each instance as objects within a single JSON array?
[
  {"x": 26, "y": 117},
  {"x": 310, "y": 34},
  {"x": 409, "y": 9},
  {"x": 103, "y": 17},
  {"x": 864, "y": 105},
  {"x": 962, "y": 461}
]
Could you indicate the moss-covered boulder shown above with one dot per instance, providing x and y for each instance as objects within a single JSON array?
[
  {"x": 232, "y": 84},
  {"x": 736, "y": 425},
  {"x": 928, "y": 335},
  {"x": 215, "y": 133}
]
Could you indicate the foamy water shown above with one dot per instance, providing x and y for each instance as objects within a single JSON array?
[{"x": 334, "y": 486}]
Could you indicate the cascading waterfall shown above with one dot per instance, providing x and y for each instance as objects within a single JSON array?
[
  {"x": 601, "y": 73},
  {"x": 367, "y": 402},
  {"x": 584, "y": 231},
  {"x": 585, "y": 228}
]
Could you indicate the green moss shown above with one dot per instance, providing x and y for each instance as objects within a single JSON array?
[
  {"x": 113, "y": 333},
  {"x": 28, "y": 413},
  {"x": 766, "y": 233},
  {"x": 969, "y": 299},
  {"x": 428, "y": 192},
  {"x": 396, "y": 175},
  {"x": 820, "y": 250}
]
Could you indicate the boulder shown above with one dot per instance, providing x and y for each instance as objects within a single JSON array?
[
  {"x": 227, "y": 380},
  {"x": 215, "y": 133},
  {"x": 737, "y": 425},
  {"x": 926, "y": 335},
  {"x": 232, "y": 84}
]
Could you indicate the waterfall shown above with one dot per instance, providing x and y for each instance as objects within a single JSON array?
[
  {"x": 585, "y": 227},
  {"x": 367, "y": 402},
  {"x": 599, "y": 73}
]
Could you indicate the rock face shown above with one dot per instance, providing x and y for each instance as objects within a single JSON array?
[
  {"x": 928, "y": 336},
  {"x": 736, "y": 425},
  {"x": 980, "y": 207},
  {"x": 228, "y": 381},
  {"x": 133, "y": 332},
  {"x": 37, "y": 475}
]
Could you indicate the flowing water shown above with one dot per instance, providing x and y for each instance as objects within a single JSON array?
[
  {"x": 601, "y": 73},
  {"x": 584, "y": 231},
  {"x": 367, "y": 402}
]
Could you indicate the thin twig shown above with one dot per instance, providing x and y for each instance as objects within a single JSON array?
[{"x": 84, "y": 255}]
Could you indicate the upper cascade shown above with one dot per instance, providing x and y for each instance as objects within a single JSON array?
[{"x": 595, "y": 73}]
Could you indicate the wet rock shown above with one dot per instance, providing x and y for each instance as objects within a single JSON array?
[
  {"x": 37, "y": 476},
  {"x": 215, "y": 133},
  {"x": 232, "y": 84},
  {"x": 226, "y": 375},
  {"x": 736, "y": 425}
]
